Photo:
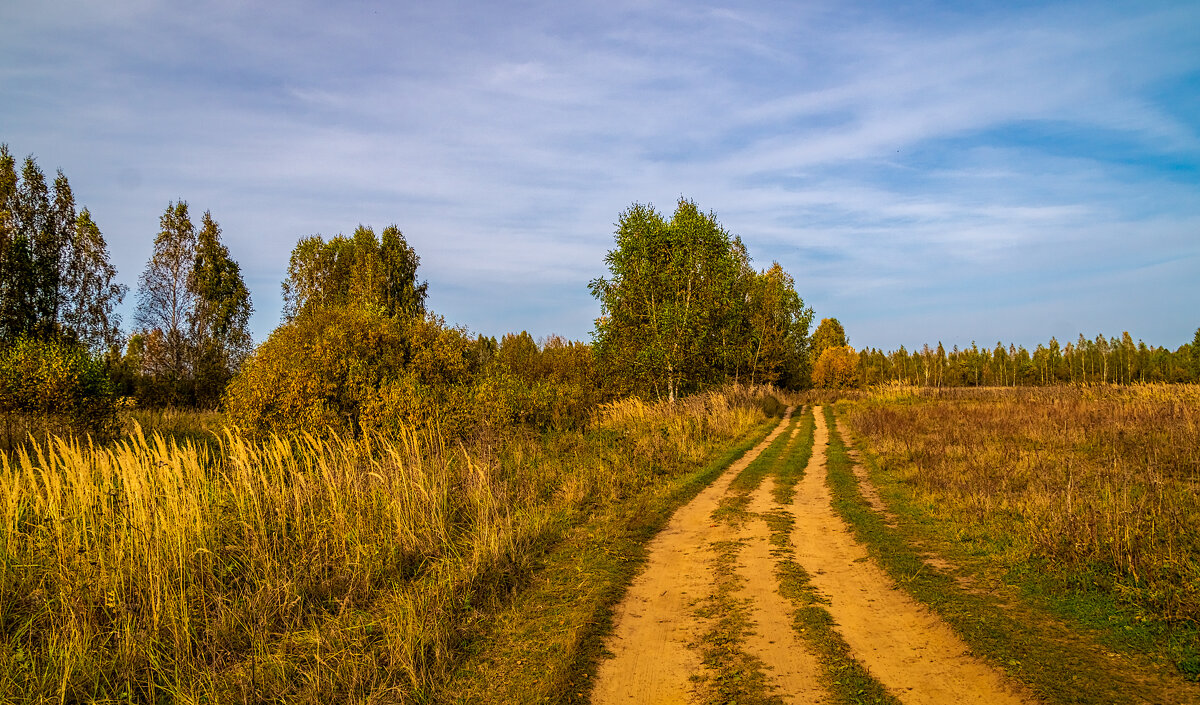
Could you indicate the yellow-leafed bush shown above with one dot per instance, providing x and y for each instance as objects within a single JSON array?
[
  {"x": 354, "y": 369},
  {"x": 836, "y": 368}
]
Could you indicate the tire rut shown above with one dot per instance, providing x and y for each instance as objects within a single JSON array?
[
  {"x": 655, "y": 626},
  {"x": 908, "y": 648}
]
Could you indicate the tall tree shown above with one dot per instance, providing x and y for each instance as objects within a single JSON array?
[
  {"x": 359, "y": 270},
  {"x": 220, "y": 319},
  {"x": 55, "y": 252},
  {"x": 89, "y": 295},
  {"x": 1196, "y": 356},
  {"x": 829, "y": 334},
  {"x": 779, "y": 324},
  {"x": 165, "y": 300},
  {"x": 665, "y": 304},
  {"x": 14, "y": 255}
]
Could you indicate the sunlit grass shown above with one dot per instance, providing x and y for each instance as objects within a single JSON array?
[
  {"x": 1096, "y": 487},
  {"x": 301, "y": 568}
]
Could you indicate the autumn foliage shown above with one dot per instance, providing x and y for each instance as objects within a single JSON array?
[{"x": 836, "y": 368}]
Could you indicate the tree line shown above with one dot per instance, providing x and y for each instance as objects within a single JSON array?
[
  {"x": 681, "y": 309},
  {"x": 1098, "y": 360}
]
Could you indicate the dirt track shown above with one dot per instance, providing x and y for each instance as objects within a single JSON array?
[{"x": 657, "y": 659}]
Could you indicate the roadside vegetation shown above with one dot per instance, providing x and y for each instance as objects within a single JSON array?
[
  {"x": 303, "y": 568},
  {"x": 1084, "y": 499}
]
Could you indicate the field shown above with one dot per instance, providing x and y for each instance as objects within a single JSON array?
[
  {"x": 1095, "y": 488},
  {"x": 303, "y": 569},
  {"x": 1050, "y": 533}
]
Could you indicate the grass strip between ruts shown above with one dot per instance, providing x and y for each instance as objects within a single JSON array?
[{"x": 847, "y": 680}]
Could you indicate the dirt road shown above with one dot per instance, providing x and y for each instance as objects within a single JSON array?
[{"x": 658, "y": 632}]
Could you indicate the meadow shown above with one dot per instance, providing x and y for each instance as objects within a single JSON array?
[
  {"x": 303, "y": 568},
  {"x": 1085, "y": 494}
]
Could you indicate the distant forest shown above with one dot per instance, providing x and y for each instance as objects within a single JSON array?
[{"x": 1097, "y": 361}]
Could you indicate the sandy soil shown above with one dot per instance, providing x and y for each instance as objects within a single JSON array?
[
  {"x": 908, "y": 648},
  {"x": 903, "y": 644},
  {"x": 656, "y": 629}
]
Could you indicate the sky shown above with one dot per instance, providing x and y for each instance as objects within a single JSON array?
[{"x": 926, "y": 171}]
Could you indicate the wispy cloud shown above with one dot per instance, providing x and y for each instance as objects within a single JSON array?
[{"x": 896, "y": 161}]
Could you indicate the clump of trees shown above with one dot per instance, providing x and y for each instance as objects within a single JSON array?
[
  {"x": 57, "y": 301},
  {"x": 358, "y": 351},
  {"x": 681, "y": 308},
  {"x": 192, "y": 318},
  {"x": 55, "y": 277}
]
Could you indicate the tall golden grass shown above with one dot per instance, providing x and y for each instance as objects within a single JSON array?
[
  {"x": 1101, "y": 483},
  {"x": 297, "y": 568}
]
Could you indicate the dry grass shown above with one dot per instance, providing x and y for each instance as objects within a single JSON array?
[
  {"x": 1100, "y": 484},
  {"x": 297, "y": 569}
]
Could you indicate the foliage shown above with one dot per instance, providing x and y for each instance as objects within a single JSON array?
[
  {"x": 837, "y": 368},
  {"x": 55, "y": 278},
  {"x": 681, "y": 308},
  {"x": 59, "y": 379},
  {"x": 164, "y": 298},
  {"x": 361, "y": 270},
  {"x": 354, "y": 369},
  {"x": 193, "y": 313},
  {"x": 778, "y": 325},
  {"x": 829, "y": 334},
  {"x": 1195, "y": 352},
  {"x": 219, "y": 322},
  {"x": 1097, "y": 361},
  {"x": 90, "y": 296}
]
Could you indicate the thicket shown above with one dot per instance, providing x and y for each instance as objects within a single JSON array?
[{"x": 53, "y": 385}]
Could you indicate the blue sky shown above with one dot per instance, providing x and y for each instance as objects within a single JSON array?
[{"x": 926, "y": 171}]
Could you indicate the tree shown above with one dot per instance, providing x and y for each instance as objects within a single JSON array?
[
  {"x": 14, "y": 255},
  {"x": 666, "y": 306},
  {"x": 219, "y": 321},
  {"x": 779, "y": 325},
  {"x": 89, "y": 296},
  {"x": 829, "y": 334},
  {"x": 165, "y": 299},
  {"x": 355, "y": 271},
  {"x": 1196, "y": 356},
  {"x": 836, "y": 368}
]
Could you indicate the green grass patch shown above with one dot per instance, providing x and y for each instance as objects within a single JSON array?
[
  {"x": 736, "y": 676},
  {"x": 846, "y": 678},
  {"x": 792, "y": 469},
  {"x": 732, "y": 507}
]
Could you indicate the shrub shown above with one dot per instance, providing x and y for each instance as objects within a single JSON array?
[
  {"x": 59, "y": 380},
  {"x": 352, "y": 370}
]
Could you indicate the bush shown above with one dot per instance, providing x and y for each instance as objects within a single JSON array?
[
  {"x": 353, "y": 370},
  {"x": 836, "y": 368},
  {"x": 57, "y": 381}
]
